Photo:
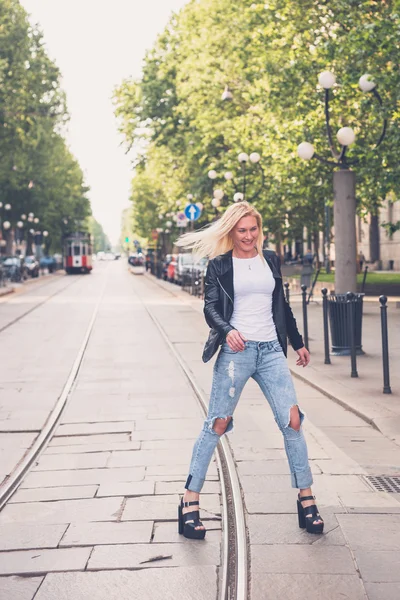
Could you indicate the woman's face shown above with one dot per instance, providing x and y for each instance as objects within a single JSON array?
[{"x": 245, "y": 234}]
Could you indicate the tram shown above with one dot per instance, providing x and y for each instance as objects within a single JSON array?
[{"x": 78, "y": 253}]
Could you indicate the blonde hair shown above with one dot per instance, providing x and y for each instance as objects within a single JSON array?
[{"x": 215, "y": 239}]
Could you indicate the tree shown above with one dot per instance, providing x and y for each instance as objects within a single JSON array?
[
  {"x": 178, "y": 125},
  {"x": 37, "y": 171}
]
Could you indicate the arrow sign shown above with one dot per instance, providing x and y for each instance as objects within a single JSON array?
[{"x": 192, "y": 212}]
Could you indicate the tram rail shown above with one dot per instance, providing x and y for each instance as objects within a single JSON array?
[
  {"x": 235, "y": 552},
  {"x": 233, "y": 582}
]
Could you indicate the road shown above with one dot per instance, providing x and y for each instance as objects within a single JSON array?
[{"x": 96, "y": 514}]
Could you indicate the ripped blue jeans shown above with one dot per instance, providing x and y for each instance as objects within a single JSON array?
[{"x": 267, "y": 365}]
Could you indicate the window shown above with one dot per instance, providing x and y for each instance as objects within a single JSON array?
[
  {"x": 77, "y": 250},
  {"x": 83, "y": 249}
]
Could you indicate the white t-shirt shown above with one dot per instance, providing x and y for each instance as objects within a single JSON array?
[{"x": 253, "y": 285}]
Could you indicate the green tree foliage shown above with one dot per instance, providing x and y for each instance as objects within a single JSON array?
[
  {"x": 100, "y": 241},
  {"x": 37, "y": 171},
  {"x": 270, "y": 55}
]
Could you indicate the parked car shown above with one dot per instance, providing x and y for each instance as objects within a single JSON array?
[
  {"x": 184, "y": 262},
  {"x": 14, "y": 268},
  {"x": 137, "y": 263},
  {"x": 32, "y": 266},
  {"x": 48, "y": 262}
]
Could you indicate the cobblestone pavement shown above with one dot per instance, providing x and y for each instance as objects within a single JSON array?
[{"x": 96, "y": 516}]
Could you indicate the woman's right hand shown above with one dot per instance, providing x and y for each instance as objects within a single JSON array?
[{"x": 236, "y": 341}]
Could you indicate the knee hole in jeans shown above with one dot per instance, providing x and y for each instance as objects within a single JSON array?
[
  {"x": 294, "y": 418},
  {"x": 221, "y": 424}
]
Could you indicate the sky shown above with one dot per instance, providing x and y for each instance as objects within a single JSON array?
[{"x": 96, "y": 44}]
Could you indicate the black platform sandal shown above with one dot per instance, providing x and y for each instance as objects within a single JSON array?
[
  {"x": 189, "y": 529},
  {"x": 309, "y": 522}
]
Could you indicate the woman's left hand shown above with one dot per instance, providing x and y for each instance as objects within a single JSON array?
[{"x": 304, "y": 357}]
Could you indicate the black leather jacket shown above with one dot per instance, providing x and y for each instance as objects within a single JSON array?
[{"x": 218, "y": 304}]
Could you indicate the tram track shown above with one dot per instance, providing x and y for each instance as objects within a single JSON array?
[
  {"x": 12, "y": 483},
  {"x": 233, "y": 580},
  {"x": 235, "y": 550},
  {"x": 39, "y": 304}
]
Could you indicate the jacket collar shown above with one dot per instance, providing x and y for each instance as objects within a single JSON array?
[{"x": 227, "y": 264}]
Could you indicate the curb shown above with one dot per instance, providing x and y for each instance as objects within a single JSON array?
[
  {"x": 6, "y": 290},
  {"x": 342, "y": 403}
]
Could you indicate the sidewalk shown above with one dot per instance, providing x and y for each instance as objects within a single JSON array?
[{"x": 363, "y": 395}]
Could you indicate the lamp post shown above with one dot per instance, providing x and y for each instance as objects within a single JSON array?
[
  {"x": 240, "y": 190},
  {"x": 343, "y": 186},
  {"x": 8, "y": 229}
]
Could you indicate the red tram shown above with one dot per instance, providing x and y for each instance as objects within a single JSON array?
[{"x": 78, "y": 253}]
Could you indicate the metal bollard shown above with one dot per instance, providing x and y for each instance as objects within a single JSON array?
[
  {"x": 305, "y": 321},
  {"x": 385, "y": 345},
  {"x": 350, "y": 307},
  {"x": 364, "y": 279},
  {"x": 287, "y": 293},
  {"x": 326, "y": 329}
]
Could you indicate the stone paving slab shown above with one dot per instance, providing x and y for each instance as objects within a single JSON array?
[
  {"x": 269, "y": 467},
  {"x": 192, "y": 425},
  {"x": 80, "y": 429},
  {"x": 162, "y": 435},
  {"x": 363, "y": 532},
  {"x": 92, "y": 534},
  {"x": 19, "y": 588},
  {"x": 378, "y": 566},
  {"x": 177, "y": 487},
  {"x": 284, "y": 529},
  {"x": 183, "y": 445},
  {"x": 180, "y": 478},
  {"x": 168, "y": 533},
  {"x": 312, "y": 587},
  {"x": 48, "y": 462},
  {"x": 277, "y": 502},
  {"x": 174, "y": 469},
  {"x": 383, "y": 591},
  {"x": 16, "y": 536},
  {"x": 83, "y": 440},
  {"x": 53, "y": 493},
  {"x": 38, "y": 562},
  {"x": 189, "y": 583},
  {"x": 147, "y": 458},
  {"x": 369, "y": 500},
  {"x": 301, "y": 559},
  {"x": 63, "y": 511},
  {"x": 136, "y": 488},
  {"x": 93, "y": 448},
  {"x": 141, "y": 556},
  {"x": 165, "y": 508},
  {"x": 81, "y": 477}
]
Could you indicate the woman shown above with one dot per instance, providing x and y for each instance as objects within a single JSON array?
[{"x": 249, "y": 317}]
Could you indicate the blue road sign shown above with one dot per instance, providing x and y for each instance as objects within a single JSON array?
[{"x": 192, "y": 212}]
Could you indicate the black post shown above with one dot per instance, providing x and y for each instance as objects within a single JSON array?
[
  {"x": 351, "y": 310},
  {"x": 364, "y": 279},
  {"x": 305, "y": 322},
  {"x": 326, "y": 329},
  {"x": 385, "y": 345},
  {"x": 287, "y": 293}
]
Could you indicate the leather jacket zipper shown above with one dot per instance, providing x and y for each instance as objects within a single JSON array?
[{"x": 222, "y": 287}]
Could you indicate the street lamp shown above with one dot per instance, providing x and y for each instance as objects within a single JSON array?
[
  {"x": 343, "y": 185},
  {"x": 227, "y": 94},
  {"x": 244, "y": 159},
  {"x": 19, "y": 234}
]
